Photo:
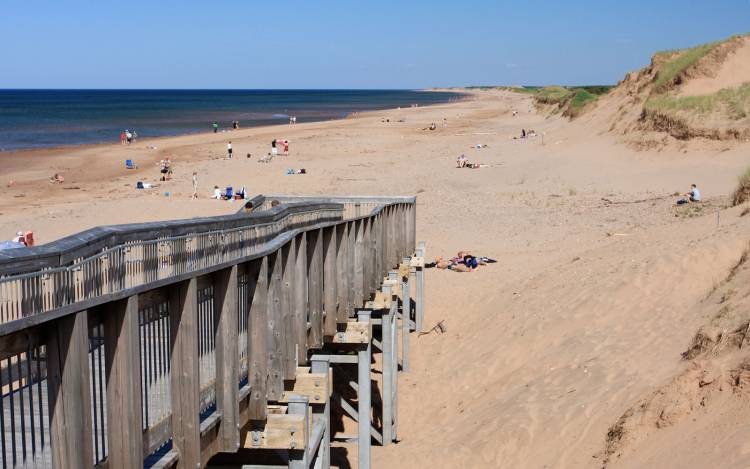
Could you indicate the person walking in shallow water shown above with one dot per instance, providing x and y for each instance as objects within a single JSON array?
[{"x": 215, "y": 126}]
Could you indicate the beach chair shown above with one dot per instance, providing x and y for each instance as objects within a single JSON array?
[
  {"x": 228, "y": 194},
  {"x": 130, "y": 165}
]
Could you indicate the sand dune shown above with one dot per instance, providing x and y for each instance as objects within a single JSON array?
[{"x": 601, "y": 283}]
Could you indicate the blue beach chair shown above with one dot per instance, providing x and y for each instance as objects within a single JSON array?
[
  {"x": 228, "y": 193},
  {"x": 130, "y": 165}
]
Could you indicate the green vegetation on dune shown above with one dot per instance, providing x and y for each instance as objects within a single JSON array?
[
  {"x": 581, "y": 97},
  {"x": 730, "y": 103},
  {"x": 670, "y": 69},
  {"x": 734, "y": 102}
]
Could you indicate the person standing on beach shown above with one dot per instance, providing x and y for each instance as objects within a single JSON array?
[
  {"x": 129, "y": 137},
  {"x": 274, "y": 150},
  {"x": 286, "y": 147},
  {"x": 122, "y": 138},
  {"x": 195, "y": 185},
  {"x": 215, "y": 125},
  {"x": 229, "y": 150}
]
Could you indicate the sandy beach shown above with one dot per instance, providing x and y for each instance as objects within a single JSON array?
[{"x": 599, "y": 286}]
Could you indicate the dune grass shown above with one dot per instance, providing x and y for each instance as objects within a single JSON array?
[
  {"x": 581, "y": 97},
  {"x": 742, "y": 191},
  {"x": 733, "y": 102},
  {"x": 553, "y": 94},
  {"x": 669, "y": 70}
]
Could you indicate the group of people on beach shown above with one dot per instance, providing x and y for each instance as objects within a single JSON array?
[
  {"x": 128, "y": 137},
  {"x": 20, "y": 240}
]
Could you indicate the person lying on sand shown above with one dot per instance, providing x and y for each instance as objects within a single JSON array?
[
  {"x": 463, "y": 262},
  {"x": 461, "y": 161},
  {"x": 57, "y": 179}
]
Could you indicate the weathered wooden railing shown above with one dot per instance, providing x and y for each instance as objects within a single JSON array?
[{"x": 157, "y": 344}]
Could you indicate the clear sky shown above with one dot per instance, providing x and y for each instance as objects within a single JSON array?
[{"x": 346, "y": 44}]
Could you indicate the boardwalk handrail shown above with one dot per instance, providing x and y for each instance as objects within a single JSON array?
[{"x": 180, "y": 333}]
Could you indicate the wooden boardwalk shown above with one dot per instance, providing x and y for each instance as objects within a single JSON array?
[{"x": 205, "y": 337}]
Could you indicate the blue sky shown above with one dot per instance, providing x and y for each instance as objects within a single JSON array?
[{"x": 346, "y": 44}]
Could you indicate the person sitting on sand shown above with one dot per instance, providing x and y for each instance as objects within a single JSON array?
[
  {"x": 217, "y": 193},
  {"x": 461, "y": 161},
  {"x": 433, "y": 126},
  {"x": 57, "y": 179},
  {"x": 693, "y": 195},
  {"x": 523, "y": 133}
]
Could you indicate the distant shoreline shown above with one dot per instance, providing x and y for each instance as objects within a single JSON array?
[{"x": 258, "y": 119}]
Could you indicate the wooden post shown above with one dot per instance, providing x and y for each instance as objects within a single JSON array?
[
  {"x": 276, "y": 382},
  {"x": 300, "y": 306},
  {"x": 342, "y": 272},
  {"x": 185, "y": 379},
  {"x": 258, "y": 333},
  {"x": 123, "y": 371},
  {"x": 329, "y": 281},
  {"x": 227, "y": 357},
  {"x": 350, "y": 267},
  {"x": 69, "y": 392},
  {"x": 315, "y": 290},
  {"x": 366, "y": 261},
  {"x": 359, "y": 262},
  {"x": 288, "y": 338},
  {"x": 364, "y": 356}
]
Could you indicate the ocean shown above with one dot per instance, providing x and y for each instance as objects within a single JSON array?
[{"x": 48, "y": 118}]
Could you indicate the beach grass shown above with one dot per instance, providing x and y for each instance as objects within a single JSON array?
[
  {"x": 680, "y": 61},
  {"x": 741, "y": 193},
  {"x": 734, "y": 103},
  {"x": 580, "y": 98}
]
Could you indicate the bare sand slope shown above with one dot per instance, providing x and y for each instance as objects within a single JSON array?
[
  {"x": 732, "y": 72},
  {"x": 587, "y": 312}
]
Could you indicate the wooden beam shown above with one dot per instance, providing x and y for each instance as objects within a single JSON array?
[
  {"x": 185, "y": 373},
  {"x": 227, "y": 357},
  {"x": 281, "y": 431},
  {"x": 122, "y": 365},
  {"x": 354, "y": 333},
  {"x": 69, "y": 392},
  {"x": 330, "y": 296},
  {"x": 275, "y": 383},
  {"x": 300, "y": 292},
  {"x": 258, "y": 356},
  {"x": 315, "y": 288},
  {"x": 288, "y": 339},
  {"x": 342, "y": 272},
  {"x": 312, "y": 385}
]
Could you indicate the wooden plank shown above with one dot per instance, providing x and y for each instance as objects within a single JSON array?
[
  {"x": 330, "y": 296},
  {"x": 275, "y": 382},
  {"x": 281, "y": 431},
  {"x": 258, "y": 332},
  {"x": 122, "y": 365},
  {"x": 342, "y": 277},
  {"x": 300, "y": 298},
  {"x": 69, "y": 392},
  {"x": 185, "y": 378},
  {"x": 315, "y": 288},
  {"x": 416, "y": 262},
  {"x": 312, "y": 385},
  {"x": 354, "y": 333},
  {"x": 226, "y": 338},
  {"x": 288, "y": 349}
]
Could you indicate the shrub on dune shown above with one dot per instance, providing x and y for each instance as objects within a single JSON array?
[{"x": 742, "y": 191}]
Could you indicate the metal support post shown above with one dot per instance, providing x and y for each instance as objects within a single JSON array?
[
  {"x": 405, "y": 317},
  {"x": 298, "y": 456},
  {"x": 420, "y": 288},
  {"x": 322, "y": 365},
  {"x": 363, "y": 398},
  {"x": 387, "y": 335}
]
